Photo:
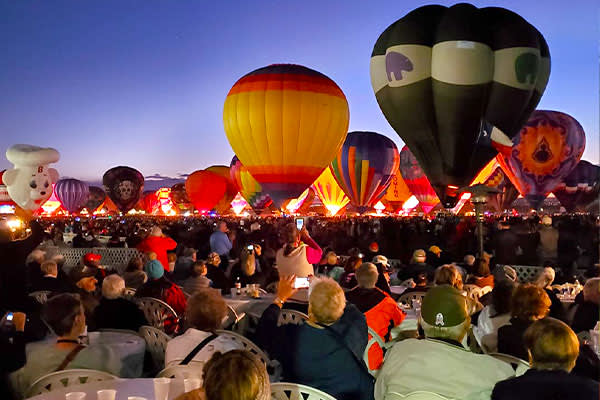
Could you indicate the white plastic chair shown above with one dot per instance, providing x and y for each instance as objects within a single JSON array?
[
  {"x": 41, "y": 296},
  {"x": 129, "y": 293},
  {"x": 518, "y": 364},
  {"x": 375, "y": 339},
  {"x": 417, "y": 395},
  {"x": 475, "y": 292},
  {"x": 287, "y": 316},
  {"x": 406, "y": 299},
  {"x": 66, "y": 378},
  {"x": 156, "y": 344},
  {"x": 156, "y": 311},
  {"x": 293, "y": 391},
  {"x": 232, "y": 319},
  {"x": 192, "y": 370},
  {"x": 272, "y": 287}
]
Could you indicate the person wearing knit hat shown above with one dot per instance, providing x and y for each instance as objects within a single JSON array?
[
  {"x": 159, "y": 287},
  {"x": 409, "y": 364}
]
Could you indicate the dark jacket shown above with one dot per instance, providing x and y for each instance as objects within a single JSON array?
[
  {"x": 54, "y": 285},
  {"x": 119, "y": 314},
  {"x": 218, "y": 278},
  {"x": 505, "y": 245},
  {"x": 167, "y": 291},
  {"x": 331, "y": 362},
  {"x": 547, "y": 385},
  {"x": 12, "y": 348},
  {"x": 586, "y": 317},
  {"x": 556, "y": 308}
]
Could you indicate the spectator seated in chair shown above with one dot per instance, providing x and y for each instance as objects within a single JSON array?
[
  {"x": 134, "y": 274},
  {"x": 197, "y": 280},
  {"x": 50, "y": 280},
  {"x": 115, "y": 312}
]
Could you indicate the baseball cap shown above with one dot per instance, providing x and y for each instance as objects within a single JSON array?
[
  {"x": 419, "y": 253},
  {"x": 435, "y": 250},
  {"x": 444, "y": 306},
  {"x": 91, "y": 257},
  {"x": 374, "y": 247}
]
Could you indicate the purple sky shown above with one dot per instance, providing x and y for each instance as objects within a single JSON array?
[{"x": 121, "y": 82}]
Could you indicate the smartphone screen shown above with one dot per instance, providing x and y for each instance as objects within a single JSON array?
[
  {"x": 299, "y": 223},
  {"x": 301, "y": 283},
  {"x": 251, "y": 247},
  {"x": 9, "y": 316}
]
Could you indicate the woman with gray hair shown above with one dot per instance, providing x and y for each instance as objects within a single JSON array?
[
  {"x": 325, "y": 352},
  {"x": 544, "y": 280},
  {"x": 114, "y": 311}
]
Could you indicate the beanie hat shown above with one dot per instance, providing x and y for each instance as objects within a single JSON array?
[
  {"x": 435, "y": 250},
  {"x": 154, "y": 269},
  {"x": 444, "y": 306},
  {"x": 374, "y": 247}
]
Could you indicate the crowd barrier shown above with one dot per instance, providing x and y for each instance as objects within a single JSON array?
[{"x": 112, "y": 257}]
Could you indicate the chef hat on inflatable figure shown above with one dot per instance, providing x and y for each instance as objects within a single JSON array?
[{"x": 29, "y": 183}]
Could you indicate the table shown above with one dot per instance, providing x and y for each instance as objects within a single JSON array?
[
  {"x": 398, "y": 290},
  {"x": 129, "y": 346},
  {"x": 124, "y": 388},
  {"x": 250, "y": 306},
  {"x": 409, "y": 324}
]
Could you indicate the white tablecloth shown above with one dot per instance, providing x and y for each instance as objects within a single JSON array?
[
  {"x": 250, "y": 306},
  {"x": 397, "y": 289},
  {"x": 129, "y": 346},
  {"x": 409, "y": 324},
  {"x": 124, "y": 388}
]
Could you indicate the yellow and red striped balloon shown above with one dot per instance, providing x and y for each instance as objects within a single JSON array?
[{"x": 331, "y": 194}]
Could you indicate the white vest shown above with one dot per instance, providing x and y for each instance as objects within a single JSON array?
[{"x": 294, "y": 263}]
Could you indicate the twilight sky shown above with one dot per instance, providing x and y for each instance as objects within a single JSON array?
[{"x": 142, "y": 83}]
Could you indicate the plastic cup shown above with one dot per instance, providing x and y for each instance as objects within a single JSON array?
[
  {"x": 107, "y": 394},
  {"x": 233, "y": 293},
  {"x": 191, "y": 384},
  {"x": 75, "y": 396},
  {"x": 161, "y": 388},
  {"x": 136, "y": 398}
]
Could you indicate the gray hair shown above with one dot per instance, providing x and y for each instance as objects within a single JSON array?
[
  {"x": 113, "y": 287},
  {"x": 366, "y": 275},
  {"x": 591, "y": 290},
  {"x": 545, "y": 278},
  {"x": 49, "y": 268}
]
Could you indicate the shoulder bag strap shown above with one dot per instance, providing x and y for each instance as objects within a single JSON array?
[
  {"x": 197, "y": 349},
  {"x": 70, "y": 357}
]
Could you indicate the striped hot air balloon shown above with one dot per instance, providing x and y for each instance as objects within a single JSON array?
[
  {"x": 331, "y": 194},
  {"x": 364, "y": 167},
  {"x": 248, "y": 187},
  {"x": 457, "y": 82},
  {"x": 72, "y": 194},
  {"x": 285, "y": 123},
  {"x": 397, "y": 193},
  {"x": 224, "y": 204},
  {"x": 417, "y": 182}
]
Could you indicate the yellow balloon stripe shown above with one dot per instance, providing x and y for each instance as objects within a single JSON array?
[{"x": 364, "y": 179}]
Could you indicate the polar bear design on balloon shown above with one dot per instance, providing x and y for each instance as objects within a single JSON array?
[{"x": 29, "y": 183}]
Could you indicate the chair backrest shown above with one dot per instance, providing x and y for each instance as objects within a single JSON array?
[
  {"x": 246, "y": 343},
  {"x": 272, "y": 287},
  {"x": 156, "y": 311},
  {"x": 374, "y": 338},
  {"x": 156, "y": 344},
  {"x": 129, "y": 293},
  {"x": 287, "y": 316},
  {"x": 232, "y": 319},
  {"x": 406, "y": 299},
  {"x": 191, "y": 370},
  {"x": 527, "y": 273},
  {"x": 417, "y": 395},
  {"x": 66, "y": 378},
  {"x": 294, "y": 391},
  {"x": 512, "y": 360},
  {"x": 41, "y": 296},
  {"x": 475, "y": 292}
]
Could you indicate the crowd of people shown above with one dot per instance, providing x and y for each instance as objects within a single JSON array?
[{"x": 192, "y": 264}]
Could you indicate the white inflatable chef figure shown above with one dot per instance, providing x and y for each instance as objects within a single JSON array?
[{"x": 29, "y": 183}]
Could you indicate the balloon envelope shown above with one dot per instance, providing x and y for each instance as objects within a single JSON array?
[
  {"x": 225, "y": 203},
  {"x": 457, "y": 82},
  {"x": 124, "y": 186},
  {"x": 545, "y": 151},
  {"x": 331, "y": 194},
  {"x": 95, "y": 198},
  {"x": 72, "y": 193},
  {"x": 248, "y": 187},
  {"x": 364, "y": 167},
  {"x": 205, "y": 189},
  {"x": 285, "y": 123},
  {"x": 397, "y": 193},
  {"x": 580, "y": 188},
  {"x": 416, "y": 180}
]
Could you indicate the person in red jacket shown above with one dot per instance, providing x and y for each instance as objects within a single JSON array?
[
  {"x": 381, "y": 311},
  {"x": 158, "y": 243}
]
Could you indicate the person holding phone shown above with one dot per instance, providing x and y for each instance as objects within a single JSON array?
[
  {"x": 12, "y": 348},
  {"x": 297, "y": 255}
]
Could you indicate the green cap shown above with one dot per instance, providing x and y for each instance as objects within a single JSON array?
[{"x": 444, "y": 306}]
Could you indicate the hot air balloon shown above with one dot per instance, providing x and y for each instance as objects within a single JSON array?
[
  {"x": 224, "y": 204},
  {"x": 417, "y": 182},
  {"x": 331, "y": 194},
  {"x": 124, "y": 186},
  {"x": 150, "y": 203},
  {"x": 546, "y": 150},
  {"x": 499, "y": 202},
  {"x": 205, "y": 189},
  {"x": 457, "y": 82},
  {"x": 580, "y": 188},
  {"x": 364, "y": 167},
  {"x": 300, "y": 204},
  {"x": 397, "y": 193},
  {"x": 72, "y": 193},
  {"x": 248, "y": 187},
  {"x": 95, "y": 198},
  {"x": 285, "y": 123}
]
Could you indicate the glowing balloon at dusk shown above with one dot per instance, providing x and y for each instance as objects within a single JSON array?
[
  {"x": 124, "y": 186},
  {"x": 224, "y": 204},
  {"x": 248, "y": 187},
  {"x": 72, "y": 193},
  {"x": 331, "y": 194},
  {"x": 205, "y": 189},
  {"x": 417, "y": 182}
]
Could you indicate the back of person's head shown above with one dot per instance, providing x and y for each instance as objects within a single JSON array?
[
  {"x": 545, "y": 277},
  {"x": 529, "y": 302},
  {"x": 469, "y": 260},
  {"x": 481, "y": 268},
  {"x": 289, "y": 234},
  {"x": 448, "y": 275},
  {"x": 591, "y": 291},
  {"x": 547, "y": 220},
  {"x": 206, "y": 310},
  {"x": 419, "y": 256},
  {"x": 36, "y": 256},
  {"x": 154, "y": 269},
  {"x": 501, "y": 296},
  {"x": 156, "y": 231},
  {"x": 49, "y": 268},
  {"x": 326, "y": 301},
  {"x": 199, "y": 268},
  {"x": 421, "y": 280},
  {"x": 171, "y": 257},
  {"x": 213, "y": 258},
  {"x": 444, "y": 313},
  {"x": 60, "y": 312},
  {"x": 247, "y": 262},
  {"x": 551, "y": 345},
  {"x": 135, "y": 264},
  {"x": 366, "y": 275},
  {"x": 247, "y": 377},
  {"x": 331, "y": 258},
  {"x": 352, "y": 263},
  {"x": 113, "y": 287}
]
